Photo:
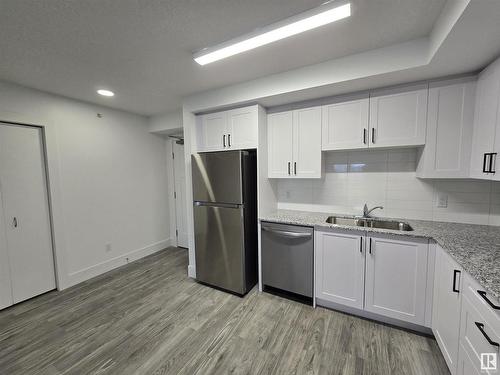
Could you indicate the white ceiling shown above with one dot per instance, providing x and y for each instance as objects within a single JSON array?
[{"x": 142, "y": 49}]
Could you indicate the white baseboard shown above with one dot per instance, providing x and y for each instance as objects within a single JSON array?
[
  {"x": 110, "y": 264},
  {"x": 191, "y": 271}
]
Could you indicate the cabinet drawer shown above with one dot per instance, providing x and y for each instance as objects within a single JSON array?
[
  {"x": 479, "y": 298},
  {"x": 476, "y": 332}
]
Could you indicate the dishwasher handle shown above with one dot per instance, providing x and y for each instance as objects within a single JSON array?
[{"x": 285, "y": 233}]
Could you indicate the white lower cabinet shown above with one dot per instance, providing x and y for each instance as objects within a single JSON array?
[
  {"x": 446, "y": 306},
  {"x": 396, "y": 278},
  {"x": 382, "y": 274},
  {"x": 466, "y": 366},
  {"x": 340, "y": 268}
]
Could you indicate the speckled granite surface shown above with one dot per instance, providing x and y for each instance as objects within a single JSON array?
[{"x": 475, "y": 247}]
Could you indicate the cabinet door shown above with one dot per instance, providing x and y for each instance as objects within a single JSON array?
[
  {"x": 345, "y": 124},
  {"x": 340, "y": 268},
  {"x": 485, "y": 120},
  {"x": 212, "y": 134},
  {"x": 466, "y": 365},
  {"x": 279, "y": 130},
  {"x": 242, "y": 128},
  {"x": 307, "y": 143},
  {"x": 449, "y": 130},
  {"x": 446, "y": 306},
  {"x": 398, "y": 116},
  {"x": 396, "y": 278}
]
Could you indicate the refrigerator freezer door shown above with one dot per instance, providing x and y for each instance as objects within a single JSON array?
[
  {"x": 217, "y": 177},
  {"x": 219, "y": 241}
]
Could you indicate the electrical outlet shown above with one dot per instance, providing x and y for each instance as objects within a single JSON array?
[
  {"x": 108, "y": 247},
  {"x": 442, "y": 201}
]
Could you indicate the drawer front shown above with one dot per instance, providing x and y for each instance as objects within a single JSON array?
[
  {"x": 482, "y": 301},
  {"x": 476, "y": 335}
]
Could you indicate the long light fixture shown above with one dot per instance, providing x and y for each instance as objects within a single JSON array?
[
  {"x": 322, "y": 15},
  {"x": 105, "y": 92}
]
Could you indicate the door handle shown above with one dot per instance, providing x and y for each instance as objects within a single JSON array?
[
  {"x": 288, "y": 168},
  {"x": 14, "y": 222},
  {"x": 229, "y": 140},
  {"x": 295, "y": 167},
  {"x": 224, "y": 140},
  {"x": 373, "y": 135},
  {"x": 455, "y": 273},
  {"x": 485, "y": 156},
  {"x": 364, "y": 136},
  {"x": 492, "y": 305},
  {"x": 285, "y": 233},
  {"x": 480, "y": 327},
  {"x": 492, "y": 164}
]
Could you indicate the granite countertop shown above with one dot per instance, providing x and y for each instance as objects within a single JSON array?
[{"x": 475, "y": 247}]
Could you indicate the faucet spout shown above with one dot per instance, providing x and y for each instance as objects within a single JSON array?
[{"x": 367, "y": 212}]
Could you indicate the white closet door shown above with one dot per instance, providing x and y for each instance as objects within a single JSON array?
[
  {"x": 180, "y": 195},
  {"x": 25, "y": 211}
]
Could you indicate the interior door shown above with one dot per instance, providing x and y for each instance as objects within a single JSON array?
[
  {"x": 180, "y": 195},
  {"x": 26, "y": 211},
  {"x": 307, "y": 143},
  {"x": 280, "y": 139},
  {"x": 396, "y": 278}
]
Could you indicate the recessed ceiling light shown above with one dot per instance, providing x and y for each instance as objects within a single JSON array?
[
  {"x": 105, "y": 93},
  {"x": 309, "y": 20}
]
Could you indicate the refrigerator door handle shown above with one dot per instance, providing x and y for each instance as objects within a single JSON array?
[{"x": 223, "y": 205}]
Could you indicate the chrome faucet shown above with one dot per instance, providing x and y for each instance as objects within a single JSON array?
[{"x": 366, "y": 211}]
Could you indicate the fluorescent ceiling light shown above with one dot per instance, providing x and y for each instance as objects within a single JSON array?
[
  {"x": 105, "y": 93},
  {"x": 312, "y": 19}
]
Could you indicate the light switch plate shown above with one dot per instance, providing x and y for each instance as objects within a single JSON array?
[{"x": 442, "y": 201}]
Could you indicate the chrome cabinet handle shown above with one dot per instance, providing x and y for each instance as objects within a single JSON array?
[
  {"x": 289, "y": 168},
  {"x": 373, "y": 135},
  {"x": 14, "y": 222},
  {"x": 361, "y": 244},
  {"x": 224, "y": 140},
  {"x": 229, "y": 140},
  {"x": 364, "y": 136},
  {"x": 285, "y": 233},
  {"x": 295, "y": 167},
  {"x": 480, "y": 327},
  {"x": 492, "y": 160},
  {"x": 370, "y": 245},
  {"x": 485, "y": 156}
]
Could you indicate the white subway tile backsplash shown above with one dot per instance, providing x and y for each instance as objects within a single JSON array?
[{"x": 387, "y": 178}]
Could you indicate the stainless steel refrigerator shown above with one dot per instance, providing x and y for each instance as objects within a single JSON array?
[{"x": 225, "y": 219}]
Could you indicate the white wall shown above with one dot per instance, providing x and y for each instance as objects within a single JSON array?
[
  {"x": 387, "y": 178},
  {"x": 167, "y": 123},
  {"x": 108, "y": 181}
]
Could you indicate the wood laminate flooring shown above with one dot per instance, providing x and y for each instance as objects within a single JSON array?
[{"x": 149, "y": 318}]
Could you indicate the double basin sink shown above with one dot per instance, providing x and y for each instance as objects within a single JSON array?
[{"x": 369, "y": 223}]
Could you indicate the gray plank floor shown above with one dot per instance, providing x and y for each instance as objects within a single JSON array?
[{"x": 150, "y": 318}]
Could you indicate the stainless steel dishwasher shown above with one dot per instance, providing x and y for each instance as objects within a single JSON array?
[{"x": 287, "y": 258}]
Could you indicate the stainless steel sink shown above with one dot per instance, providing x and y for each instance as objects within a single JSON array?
[
  {"x": 388, "y": 224},
  {"x": 370, "y": 223},
  {"x": 349, "y": 221}
]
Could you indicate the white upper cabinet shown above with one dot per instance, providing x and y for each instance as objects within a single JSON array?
[
  {"x": 242, "y": 128},
  {"x": 398, "y": 116},
  {"x": 450, "y": 119},
  {"x": 486, "y": 135},
  {"x": 294, "y": 144},
  {"x": 280, "y": 143},
  {"x": 235, "y": 129},
  {"x": 340, "y": 267},
  {"x": 345, "y": 123},
  {"x": 396, "y": 278}
]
